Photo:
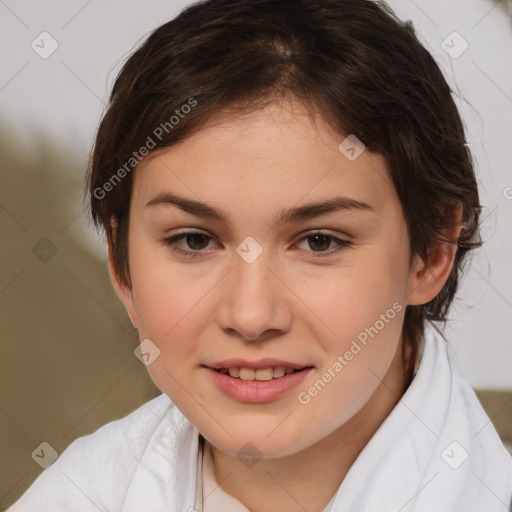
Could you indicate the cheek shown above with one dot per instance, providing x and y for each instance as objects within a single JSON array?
[
  {"x": 352, "y": 299},
  {"x": 356, "y": 358},
  {"x": 169, "y": 303},
  {"x": 170, "y": 315},
  {"x": 361, "y": 311}
]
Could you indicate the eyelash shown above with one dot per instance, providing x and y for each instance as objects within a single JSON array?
[{"x": 341, "y": 244}]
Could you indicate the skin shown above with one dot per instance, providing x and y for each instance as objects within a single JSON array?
[{"x": 287, "y": 304}]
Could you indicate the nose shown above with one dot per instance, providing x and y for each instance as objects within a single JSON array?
[{"x": 254, "y": 305}]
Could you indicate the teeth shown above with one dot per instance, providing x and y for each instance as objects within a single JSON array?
[
  {"x": 234, "y": 372},
  {"x": 262, "y": 374},
  {"x": 247, "y": 373},
  {"x": 279, "y": 371}
]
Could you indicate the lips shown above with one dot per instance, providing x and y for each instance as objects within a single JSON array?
[
  {"x": 257, "y": 385},
  {"x": 267, "y": 362}
]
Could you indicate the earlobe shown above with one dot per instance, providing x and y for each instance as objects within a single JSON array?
[
  {"x": 428, "y": 278},
  {"x": 124, "y": 292}
]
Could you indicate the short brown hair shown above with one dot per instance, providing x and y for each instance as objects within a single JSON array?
[{"x": 351, "y": 61}]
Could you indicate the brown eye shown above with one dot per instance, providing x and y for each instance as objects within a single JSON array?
[
  {"x": 195, "y": 243},
  {"x": 319, "y": 242}
]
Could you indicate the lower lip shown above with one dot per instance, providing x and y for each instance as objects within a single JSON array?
[{"x": 256, "y": 391}]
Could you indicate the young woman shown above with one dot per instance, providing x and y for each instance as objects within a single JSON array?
[{"x": 288, "y": 202}]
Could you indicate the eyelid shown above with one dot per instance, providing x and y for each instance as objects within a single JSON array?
[{"x": 341, "y": 243}]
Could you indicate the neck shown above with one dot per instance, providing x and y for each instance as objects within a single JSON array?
[{"x": 308, "y": 480}]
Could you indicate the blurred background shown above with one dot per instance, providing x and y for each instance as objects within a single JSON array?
[{"x": 67, "y": 361}]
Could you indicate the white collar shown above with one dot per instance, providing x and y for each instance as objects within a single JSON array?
[{"x": 215, "y": 498}]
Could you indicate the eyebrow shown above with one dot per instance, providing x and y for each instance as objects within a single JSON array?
[{"x": 294, "y": 214}]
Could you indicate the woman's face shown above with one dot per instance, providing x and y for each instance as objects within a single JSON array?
[{"x": 256, "y": 288}]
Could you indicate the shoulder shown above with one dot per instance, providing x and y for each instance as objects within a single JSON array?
[
  {"x": 94, "y": 471},
  {"x": 121, "y": 441}
]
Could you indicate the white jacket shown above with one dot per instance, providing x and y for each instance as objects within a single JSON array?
[{"x": 437, "y": 451}]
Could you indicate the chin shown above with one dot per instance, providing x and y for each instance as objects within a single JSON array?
[{"x": 258, "y": 444}]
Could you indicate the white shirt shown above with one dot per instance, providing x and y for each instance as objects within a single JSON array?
[{"x": 437, "y": 451}]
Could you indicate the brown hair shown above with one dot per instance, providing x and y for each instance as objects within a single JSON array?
[{"x": 351, "y": 61}]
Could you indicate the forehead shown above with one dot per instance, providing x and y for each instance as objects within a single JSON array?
[{"x": 275, "y": 155}]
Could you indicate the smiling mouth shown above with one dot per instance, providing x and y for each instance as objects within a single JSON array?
[{"x": 261, "y": 374}]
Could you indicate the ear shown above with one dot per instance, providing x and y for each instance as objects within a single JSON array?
[
  {"x": 428, "y": 278},
  {"x": 124, "y": 292}
]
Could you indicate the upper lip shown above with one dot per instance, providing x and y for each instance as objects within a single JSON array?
[{"x": 261, "y": 363}]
